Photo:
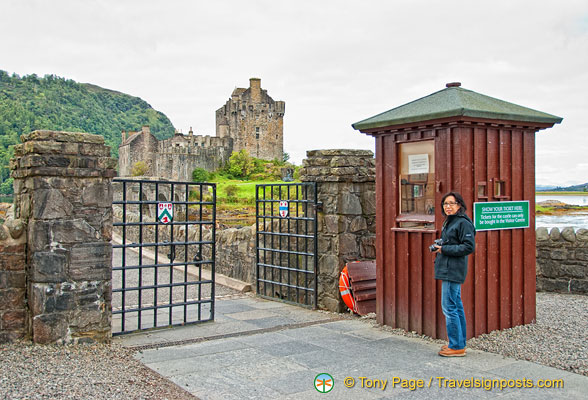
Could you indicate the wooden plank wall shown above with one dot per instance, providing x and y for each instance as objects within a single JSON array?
[{"x": 499, "y": 291}]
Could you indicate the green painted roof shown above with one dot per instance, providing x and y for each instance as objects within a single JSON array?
[{"x": 455, "y": 101}]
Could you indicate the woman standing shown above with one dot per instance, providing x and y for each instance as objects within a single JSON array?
[{"x": 451, "y": 267}]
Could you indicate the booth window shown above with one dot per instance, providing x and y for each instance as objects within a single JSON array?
[{"x": 417, "y": 185}]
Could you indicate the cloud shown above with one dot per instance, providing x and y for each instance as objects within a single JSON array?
[{"x": 332, "y": 62}]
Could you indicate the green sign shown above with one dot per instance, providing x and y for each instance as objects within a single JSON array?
[{"x": 501, "y": 215}]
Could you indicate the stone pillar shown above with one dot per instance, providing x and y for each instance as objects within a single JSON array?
[
  {"x": 62, "y": 185},
  {"x": 12, "y": 280},
  {"x": 347, "y": 230}
]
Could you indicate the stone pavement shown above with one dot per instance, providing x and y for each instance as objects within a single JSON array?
[{"x": 261, "y": 349}]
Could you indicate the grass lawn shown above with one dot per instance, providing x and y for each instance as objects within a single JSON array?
[{"x": 236, "y": 200}]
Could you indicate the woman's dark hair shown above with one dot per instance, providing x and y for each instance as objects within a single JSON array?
[{"x": 459, "y": 200}]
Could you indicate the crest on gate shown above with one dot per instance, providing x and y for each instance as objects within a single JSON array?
[
  {"x": 165, "y": 212},
  {"x": 283, "y": 209}
]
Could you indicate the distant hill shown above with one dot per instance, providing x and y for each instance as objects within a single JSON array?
[
  {"x": 55, "y": 103},
  {"x": 575, "y": 188},
  {"x": 542, "y": 188}
]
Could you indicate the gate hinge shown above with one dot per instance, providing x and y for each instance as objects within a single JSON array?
[{"x": 318, "y": 206}]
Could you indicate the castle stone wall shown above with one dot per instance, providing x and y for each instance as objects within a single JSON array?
[
  {"x": 254, "y": 121},
  {"x": 562, "y": 260},
  {"x": 250, "y": 120}
]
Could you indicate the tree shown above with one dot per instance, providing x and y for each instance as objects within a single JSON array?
[
  {"x": 139, "y": 168},
  {"x": 241, "y": 164}
]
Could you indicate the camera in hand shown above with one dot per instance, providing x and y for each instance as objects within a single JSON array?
[{"x": 437, "y": 242}]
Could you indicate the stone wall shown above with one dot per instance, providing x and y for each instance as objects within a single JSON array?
[
  {"x": 562, "y": 260},
  {"x": 235, "y": 253},
  {"x": 12, "y": 280},
  {"x": 63, "y": 196},
  {"x": 347, "y": 228}
]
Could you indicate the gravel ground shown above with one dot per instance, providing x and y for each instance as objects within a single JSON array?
[
  {"x": 79, "y": 372},
  {"x": 559, "y": 339}
]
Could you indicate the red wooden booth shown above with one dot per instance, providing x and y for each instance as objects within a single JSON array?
[{"x": 484, "y": 148}]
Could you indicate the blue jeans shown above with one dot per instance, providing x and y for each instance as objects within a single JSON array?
[{"x": 455, "y": 320}]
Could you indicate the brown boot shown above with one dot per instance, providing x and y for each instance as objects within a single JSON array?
[
  {"x": 445, "y": 347},
  {"x": 452, "y": 353}
]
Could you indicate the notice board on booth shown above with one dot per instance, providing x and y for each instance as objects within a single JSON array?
[{"x": 501, "y": 215}]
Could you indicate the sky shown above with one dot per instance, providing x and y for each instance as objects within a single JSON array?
[{"x": 334, "y": 63}]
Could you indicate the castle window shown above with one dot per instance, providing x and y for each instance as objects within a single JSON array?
[{"x": 257, "y": 132}]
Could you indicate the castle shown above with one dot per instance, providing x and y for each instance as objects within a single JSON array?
[{"x": 249, "y": 120}]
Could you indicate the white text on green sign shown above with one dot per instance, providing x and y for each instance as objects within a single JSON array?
[{"x": 501, "y": 215}]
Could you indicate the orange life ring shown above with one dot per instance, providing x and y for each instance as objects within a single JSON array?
[{"x": 345, "y": 290}]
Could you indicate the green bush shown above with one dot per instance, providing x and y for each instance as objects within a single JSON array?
[
  {"x": 139, "y": 168},
  {"x": 200, "y": 175},
  {"x": 231, "y": 190}
]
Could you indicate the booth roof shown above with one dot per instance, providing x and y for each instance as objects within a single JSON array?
[{"x": 451, "y": 102}]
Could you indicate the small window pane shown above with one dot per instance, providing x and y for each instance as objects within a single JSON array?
[{"x": 417, "y": 184}]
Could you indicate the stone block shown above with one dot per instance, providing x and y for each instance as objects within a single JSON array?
[
  {"x": 11, "y": 336},
  {"x": 579, "y": 286},
  {"x": 13, "y": 320},
  {"x": 559, "y": 255},
  {"x": 333, "y": 224},
  {"x": 368, "y": 247},
  {"x": 348, "y": 244},
  {"x": 59, "y": 136},
  {"x": 554, "y": 234},
  {"x": 368, "y": 199},
  {"x": 11, "y": 260},
  {"x": 329, "y": 265},
  {"x": 568, "y": 234},
  {"x": 552, "y": 285},
  {"x": 339, "y": 161},
  {"x": 542, "y": 234},
  {"x": 581, "y": 254},
  {"x": 50, "y": 328},
  {"x": 12, "y": 299},
  {"x": 48, "y": 234},
  {"x": 324, "y": 244},
  {"x": 16, "y": 227},
  {"x": 12, "y": 279},
  {"x": 86, "y": 319},
  {"x": 573, "y": 271},
  {"x": 358, "y": 224},
  {"x": 91, "y": 261},
  {"x": 548, "y": 269},
  {"x": 582, "y": 235},
  {"x": 51, "y": 204},
  {"x": 49, "y": 266},
  {"x": 97, "y": 194},
  {"x": 349, "y": 204}
]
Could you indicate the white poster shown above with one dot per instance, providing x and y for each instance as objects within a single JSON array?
[{"x": 418, "y": 164}]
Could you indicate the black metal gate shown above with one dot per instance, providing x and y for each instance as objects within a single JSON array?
[
  {"x": 286, "y": 242},
  {"x": 163, "y": 254}
]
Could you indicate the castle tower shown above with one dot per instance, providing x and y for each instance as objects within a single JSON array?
[{"x": 254, "y": 121}]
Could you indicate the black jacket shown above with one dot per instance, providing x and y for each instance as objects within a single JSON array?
[{"x": 458, "y": 233}]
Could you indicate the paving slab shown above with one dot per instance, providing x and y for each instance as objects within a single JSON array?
[{"x": 259, "y": 349}]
